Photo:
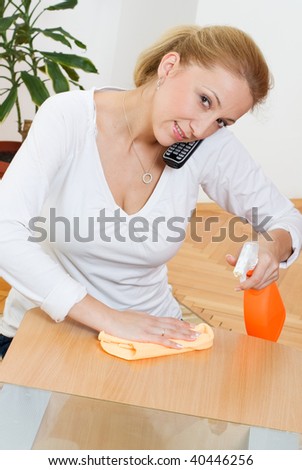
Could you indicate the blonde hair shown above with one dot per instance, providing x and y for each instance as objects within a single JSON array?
[{"x": 226, "y": 46}]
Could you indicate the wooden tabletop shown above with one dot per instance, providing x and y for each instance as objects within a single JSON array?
[{"x": 240, "y": 379}]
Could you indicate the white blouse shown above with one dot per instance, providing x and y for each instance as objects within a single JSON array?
[{"x": 62, "y": 235}]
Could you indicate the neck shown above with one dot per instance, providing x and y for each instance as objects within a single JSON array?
[
  {"x": 147, "y": 176},
  {"x": 138, "y": 105}
]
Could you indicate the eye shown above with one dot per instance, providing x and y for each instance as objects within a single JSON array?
[
  {"x": 205, "y": 101},
  {"x": 221, "y": 123}
]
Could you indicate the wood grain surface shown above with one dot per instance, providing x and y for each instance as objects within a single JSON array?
[{"x": 241, "y": 379}]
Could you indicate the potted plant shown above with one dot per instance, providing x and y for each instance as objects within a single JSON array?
[{"x": 23, "y": 63}]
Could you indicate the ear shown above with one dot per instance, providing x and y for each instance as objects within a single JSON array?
[{"x": 168, "y": 64}]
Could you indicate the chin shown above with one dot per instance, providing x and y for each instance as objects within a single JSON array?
[{"x": 165, "y": 141}]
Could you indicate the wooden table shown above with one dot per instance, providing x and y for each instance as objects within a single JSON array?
[{"x": 241, "y": 379}]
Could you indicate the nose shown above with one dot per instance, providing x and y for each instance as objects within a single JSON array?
[{"x": 203, "y": 127}]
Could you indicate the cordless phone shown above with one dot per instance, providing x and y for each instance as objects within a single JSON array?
[{"x": 177, "y": 154}]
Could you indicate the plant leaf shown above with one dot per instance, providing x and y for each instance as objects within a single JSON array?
[
  {"x": 71, "y": 60},
  {"x": 72, "y": 74},
  {"x": 56, "y": 36},
  {"x": 67, "y": 35},
  {"x": 36, "y": 88},
  {"x": 2, "y": 8},
  {"x": 59, "y": 81},
  {"x": 42, "y": 69},
  {"x": 23, "y": 34},
  {"x": 80, "y": 44},
  {"x": 64, "y": 5},
  {"x": 78, "y": 85},
  {"x": 6, "y": 23},
  {"x": 26, "y": 4},
  {"x": 8, "y": 103}
]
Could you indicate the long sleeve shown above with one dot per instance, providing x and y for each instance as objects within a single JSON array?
[
  {"x": 23, "y": 263},
  {"x": 230, "y": 177}
]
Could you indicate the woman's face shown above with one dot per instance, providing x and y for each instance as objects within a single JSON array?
[{"x": 193, "y": 102}]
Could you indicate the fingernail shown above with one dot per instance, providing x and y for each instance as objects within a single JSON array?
[
  {"x": 238, "y": 289},
  {"x": 195, "y": 335},
  {"x": 178, "y": 346}
]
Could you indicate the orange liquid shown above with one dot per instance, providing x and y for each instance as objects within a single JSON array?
[{"x": 264, "y": 312}]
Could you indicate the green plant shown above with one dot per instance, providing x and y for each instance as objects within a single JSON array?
[{"x": 21, "y": 62}]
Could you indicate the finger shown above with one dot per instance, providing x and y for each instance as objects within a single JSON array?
[
  {"x": 164, "y": 339},
  {"x": 258, "y": 281},
  {"x": 231, "y": 259},
  {"x": 187, "y": 335},
  {"x": 267, "y": 280},
  {"x": 172, "y": 344},
  {"x": 169, "y": 343},
  {"x": 173, "y": 325},
  {"x": 175, "y": 322},
  {"x": 166, "y": 331}
]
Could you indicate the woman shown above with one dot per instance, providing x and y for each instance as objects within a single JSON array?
[{"x": 89, "y": 210}]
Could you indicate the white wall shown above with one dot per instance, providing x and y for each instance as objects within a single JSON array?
[
  {"x": 115, "y": 31},
  {"x": 273, "y": 133},
  {"x": 142, "y": 22}
]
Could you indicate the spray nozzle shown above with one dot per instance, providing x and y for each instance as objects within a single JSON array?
[{"x": 247, "y": 260}]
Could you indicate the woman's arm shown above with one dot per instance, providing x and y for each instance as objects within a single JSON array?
[
  {"x": 231, "y": 178},
  {"x": 25, "y": 186},
  {"x": 132, "y": 325}
]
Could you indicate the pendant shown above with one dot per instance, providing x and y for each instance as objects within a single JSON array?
[{"x": 147, "y": 178}]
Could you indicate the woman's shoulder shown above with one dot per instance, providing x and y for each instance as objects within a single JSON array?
[
  {"x": 222, "y": 144},
  {"x": 220, "y": 138},
  {"x": 70, "y": 113},
  {"x": 222, "y": 152},
  {"x": 70, "y": 101},
  {"x": 76, "y": 106}
]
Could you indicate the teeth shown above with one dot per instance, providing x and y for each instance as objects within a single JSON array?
[{"x": 179, "y": 130}]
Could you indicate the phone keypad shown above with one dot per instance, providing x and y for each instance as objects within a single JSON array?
[{"x": 177, "y": 154}]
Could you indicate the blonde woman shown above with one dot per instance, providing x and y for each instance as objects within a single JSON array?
[{"x": 90, "y": 213}]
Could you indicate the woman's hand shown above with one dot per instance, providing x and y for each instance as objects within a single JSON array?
[
  {"x": 140, "y": 326},
  {"x": 271, "y": 252},
  {"x": 132, "y": 325}
]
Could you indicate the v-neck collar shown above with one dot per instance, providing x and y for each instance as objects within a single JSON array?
[{"x": 154, "y": 196}]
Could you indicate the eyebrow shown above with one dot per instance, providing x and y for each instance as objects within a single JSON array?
[{"x": 219, "y": 103}]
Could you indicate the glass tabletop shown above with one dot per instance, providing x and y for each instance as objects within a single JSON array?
[{"x": 38, "y": 419}]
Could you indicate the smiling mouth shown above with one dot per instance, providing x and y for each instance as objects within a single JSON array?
[{"x": 178, "y": 132}]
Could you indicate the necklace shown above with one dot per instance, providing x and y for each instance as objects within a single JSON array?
[{"x": 147, "y": 176}]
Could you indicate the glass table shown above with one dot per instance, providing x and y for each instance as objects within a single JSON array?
[{"x": 38, "y": 419}]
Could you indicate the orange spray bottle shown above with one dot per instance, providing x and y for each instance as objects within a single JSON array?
[{"x": 264, "y": 311}]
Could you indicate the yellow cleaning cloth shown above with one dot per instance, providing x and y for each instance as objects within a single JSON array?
[{"x": 131, "y": 350}]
